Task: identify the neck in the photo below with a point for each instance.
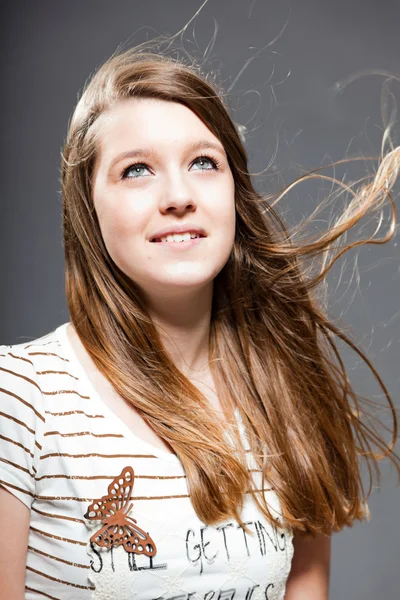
(183, 322)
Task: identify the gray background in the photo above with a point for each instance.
(296, 121)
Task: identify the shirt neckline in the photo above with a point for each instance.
(90, 390)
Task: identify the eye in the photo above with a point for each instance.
(136, 169)
(204, 159)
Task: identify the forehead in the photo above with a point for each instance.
(151, 122)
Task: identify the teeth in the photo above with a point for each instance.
(179, 237)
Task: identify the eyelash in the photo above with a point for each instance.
(213, 161)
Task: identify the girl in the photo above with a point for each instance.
(191, 433)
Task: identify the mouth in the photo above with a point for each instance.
(182, 244)
(178, 239)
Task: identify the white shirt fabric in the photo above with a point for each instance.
(61, 448)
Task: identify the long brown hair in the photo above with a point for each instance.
(273, 353)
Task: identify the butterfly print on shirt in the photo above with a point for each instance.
(117, 528)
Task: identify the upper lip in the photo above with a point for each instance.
(182, 228)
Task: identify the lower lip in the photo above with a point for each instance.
(176, 246)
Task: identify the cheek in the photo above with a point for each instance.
(120, 221)
(224, 209)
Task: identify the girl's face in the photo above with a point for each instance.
(160, 168)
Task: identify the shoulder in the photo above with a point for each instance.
(19, 385)
(21, 366)
(27, 362)
(22, 412)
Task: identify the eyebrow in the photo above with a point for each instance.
(150, 151)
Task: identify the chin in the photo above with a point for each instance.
(180, 283)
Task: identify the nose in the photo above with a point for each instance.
(178, 196)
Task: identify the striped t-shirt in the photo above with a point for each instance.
(89, 483)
